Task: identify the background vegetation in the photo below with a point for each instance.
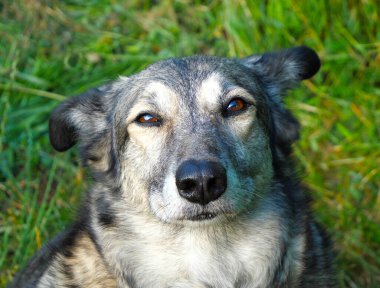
(51, 49)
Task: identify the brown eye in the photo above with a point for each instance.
(235, 106)
(148, 119)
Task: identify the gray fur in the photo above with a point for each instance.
(135, 230)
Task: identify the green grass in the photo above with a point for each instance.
(50, 51)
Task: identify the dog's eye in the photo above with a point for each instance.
(235, 106)
(148, 119)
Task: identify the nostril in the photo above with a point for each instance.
(188, 181)
(216, 184)
(211, 183)
(187, 185)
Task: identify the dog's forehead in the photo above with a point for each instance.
(194, 67)
(210, 86)
(187, 77)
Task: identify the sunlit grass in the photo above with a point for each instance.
(52, 51)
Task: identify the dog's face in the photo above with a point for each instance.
(195, 145)
(191, 139)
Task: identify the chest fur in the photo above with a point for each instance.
(200, 256)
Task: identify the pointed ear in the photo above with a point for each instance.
(81, 116)
(283, 69)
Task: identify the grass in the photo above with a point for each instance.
(49, 51)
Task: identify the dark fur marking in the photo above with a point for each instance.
(104, 211)
(318, 258)
(69, 242)
(66, 270)
(130, 281)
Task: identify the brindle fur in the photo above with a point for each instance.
(134, 230)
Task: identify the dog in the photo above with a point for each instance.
(193, 180)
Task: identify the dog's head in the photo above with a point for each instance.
(188, 139)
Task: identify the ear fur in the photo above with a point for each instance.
(81, 116)
(283, 69)
(280, 71)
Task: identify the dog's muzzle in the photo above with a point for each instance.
(201, 181)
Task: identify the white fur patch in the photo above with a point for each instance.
(209, 93)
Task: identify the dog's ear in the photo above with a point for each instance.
(283, 69)
(278, 72)
(81, 116)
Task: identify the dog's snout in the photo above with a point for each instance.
(201, 181)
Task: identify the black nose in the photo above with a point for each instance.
(201, 181)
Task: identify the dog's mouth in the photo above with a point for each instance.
(202, 217)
